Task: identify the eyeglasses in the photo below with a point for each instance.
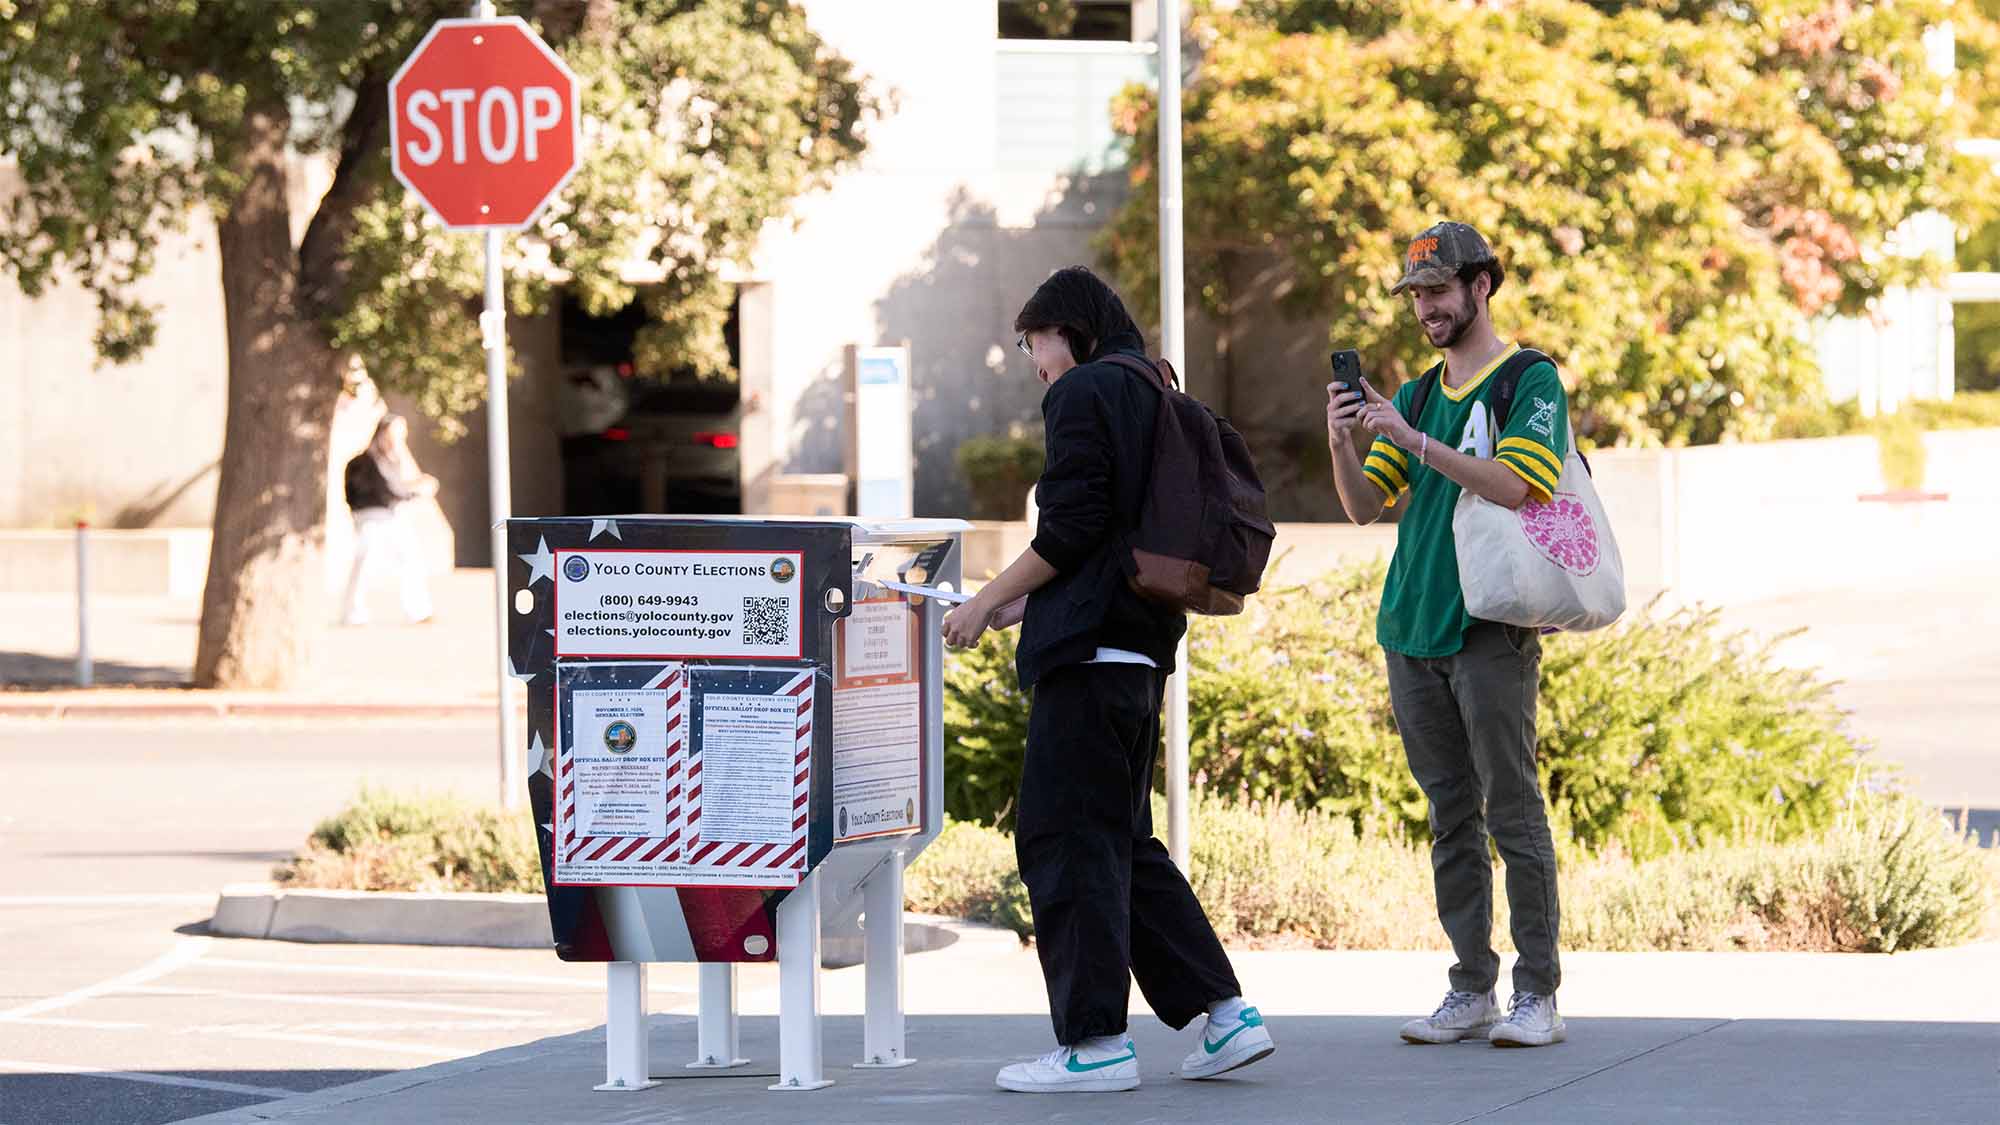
(1021, 342)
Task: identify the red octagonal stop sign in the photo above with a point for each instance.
(483, 123)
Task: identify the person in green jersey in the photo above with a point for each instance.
(1464, 690)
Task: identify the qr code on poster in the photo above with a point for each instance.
(767, 621)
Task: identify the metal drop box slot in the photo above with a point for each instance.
(735, 730)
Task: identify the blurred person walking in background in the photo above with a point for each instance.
(379, 483)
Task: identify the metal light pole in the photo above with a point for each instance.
(1173, 341)
(500, 490)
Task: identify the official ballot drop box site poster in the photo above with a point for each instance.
(674, 776)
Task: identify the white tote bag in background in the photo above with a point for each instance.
(1546, 566)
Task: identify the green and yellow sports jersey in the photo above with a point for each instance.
(1423, 605)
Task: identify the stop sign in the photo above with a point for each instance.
(483, 123)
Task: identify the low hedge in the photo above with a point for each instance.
(1887, 875)
(1662, 732)
(384, 841)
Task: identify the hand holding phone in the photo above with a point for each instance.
(1347, 374)
(1345, 397)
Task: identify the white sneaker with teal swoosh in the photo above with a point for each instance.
(1079, 1069)
(1226, 1046)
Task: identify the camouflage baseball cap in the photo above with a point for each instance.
(1438, 254)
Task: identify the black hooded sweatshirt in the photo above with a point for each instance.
(1098, 427)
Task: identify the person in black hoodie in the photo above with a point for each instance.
(1109, 904)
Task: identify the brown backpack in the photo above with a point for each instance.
(1203, 537)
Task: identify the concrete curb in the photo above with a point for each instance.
(493, 921)
(490, 921)
(178, 704)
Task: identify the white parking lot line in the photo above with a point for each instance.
(184, 953)
(308, 998)
(23, 1067)
(201, 898)
(87, 1025)
(591, 985)
(270, 1034)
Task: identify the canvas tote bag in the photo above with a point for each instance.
(1551, 565)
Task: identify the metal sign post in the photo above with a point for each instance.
(1173, 341)
(500, 490)
(484, 129)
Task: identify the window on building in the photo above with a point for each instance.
(1090, 20)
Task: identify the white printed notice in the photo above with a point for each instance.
(877, 724)
(875, 640)
(618, 749)
(749, 749)
(728, 604)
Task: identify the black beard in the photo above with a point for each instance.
(1458, 329)
(1461, 320)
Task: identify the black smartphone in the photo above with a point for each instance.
(1347, 372)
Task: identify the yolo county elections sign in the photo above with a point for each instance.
(483, 123)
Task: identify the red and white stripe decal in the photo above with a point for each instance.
(773, 857)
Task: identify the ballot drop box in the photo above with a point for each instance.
(734, 724)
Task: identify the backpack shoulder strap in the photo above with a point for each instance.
(1161, 371)
(1509, 377)
(1421, 397)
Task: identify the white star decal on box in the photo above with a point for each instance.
(599, 527)
(538, 754)
(541, 564)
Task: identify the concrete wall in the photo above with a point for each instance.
(1739, 523)
(1722, 524)
(936, 238)
(129, 446)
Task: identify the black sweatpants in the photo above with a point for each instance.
(1109, 904)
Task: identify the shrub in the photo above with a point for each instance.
(999, 471)
(1966, 410)
(1891, 875)
(986, 731)
(1661, 732)
(403, 842)
(1899, 441)
(969, 872)
(1667, 731)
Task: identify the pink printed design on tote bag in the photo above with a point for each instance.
(1563, 532)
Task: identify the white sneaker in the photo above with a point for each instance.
(1532, 1021)
(1079, 1069)
(1463, 1015)
(1227, 1046)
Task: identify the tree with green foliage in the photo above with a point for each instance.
(703, 119)
(1676, 187)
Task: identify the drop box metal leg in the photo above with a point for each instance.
(883, 908)
(719, 1041)
(627, 1061)
(798, 990)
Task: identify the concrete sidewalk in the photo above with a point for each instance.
(142, 646)
(1654, 1038)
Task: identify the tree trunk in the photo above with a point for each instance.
(265, 600)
